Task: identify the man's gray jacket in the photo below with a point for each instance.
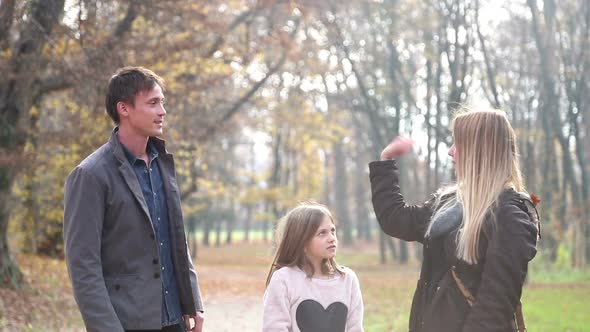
(110, 244)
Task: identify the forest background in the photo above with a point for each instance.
(272, 102)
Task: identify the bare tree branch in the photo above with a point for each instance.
(242, 18)
(53, 84)
(123, 27)
(495, 100)
(227, 115)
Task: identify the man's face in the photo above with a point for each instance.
(146, 117)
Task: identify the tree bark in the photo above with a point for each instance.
(360, 197)
(341, 193)
(6, 21)
(19, 90)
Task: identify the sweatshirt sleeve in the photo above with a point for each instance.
(276, 316)
(354, 321)
(396, 218)
(511, 247)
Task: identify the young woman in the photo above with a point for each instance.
(305, 289)
(478, 235)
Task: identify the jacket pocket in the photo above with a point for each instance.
(417, 310)
(448, 309)
(173, 185)
(124, 292)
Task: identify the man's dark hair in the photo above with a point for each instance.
(127, 83)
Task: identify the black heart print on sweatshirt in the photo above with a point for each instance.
(312, 317)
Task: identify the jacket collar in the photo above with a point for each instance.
(117, 148)
(128, 173)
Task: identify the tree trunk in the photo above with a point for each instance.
(218, 231)
(438, 121)
(10, 274)
(341, 194)
(17, 95)
(429, 186)
(274, 181)
(231, 221)
(266, 224)
(403, 252)
(191, 236)
(360, 197)
(382, 252)
(31, 218)
(391, 244)
(248, 222)
(207, 229)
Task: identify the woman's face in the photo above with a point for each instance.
(453, 153)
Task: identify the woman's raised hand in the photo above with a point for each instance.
(399, 146)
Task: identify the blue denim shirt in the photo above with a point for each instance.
(153, 192)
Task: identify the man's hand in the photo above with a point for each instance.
(198, 322)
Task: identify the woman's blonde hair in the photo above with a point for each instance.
(295, 230)
(486, 163)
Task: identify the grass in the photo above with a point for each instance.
(552, 301)
(557, 307)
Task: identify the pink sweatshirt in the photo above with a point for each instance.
(293, 302)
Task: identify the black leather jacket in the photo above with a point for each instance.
(496, 281)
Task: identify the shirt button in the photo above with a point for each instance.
(158, 218)
(162, 268)
(155, 261)
(161, 243)
(156, 275)
(152, 236)
(166, 292)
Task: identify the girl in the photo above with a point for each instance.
(478, 235)
(305, 289)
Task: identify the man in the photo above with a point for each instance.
(124, 237)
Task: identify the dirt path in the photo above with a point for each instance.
(232, 298)
(238, 313)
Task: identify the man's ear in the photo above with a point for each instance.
(122, 109)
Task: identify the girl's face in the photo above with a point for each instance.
(323, 244)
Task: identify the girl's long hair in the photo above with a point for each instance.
(294, 232)
(486, 164)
